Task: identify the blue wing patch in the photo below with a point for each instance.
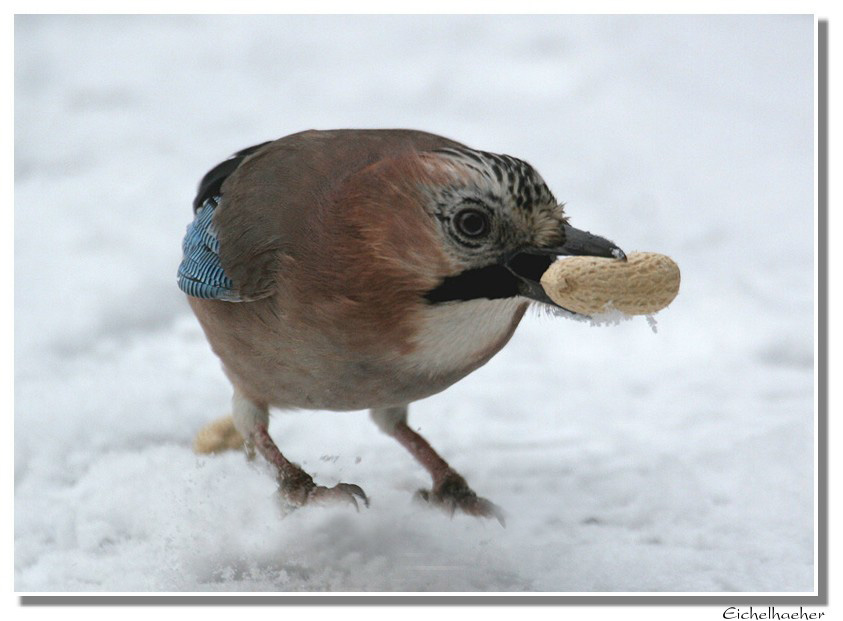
(200, 273)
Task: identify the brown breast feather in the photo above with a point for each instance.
(333, 222)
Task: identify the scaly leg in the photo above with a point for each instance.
(450, 491)
(294, 484)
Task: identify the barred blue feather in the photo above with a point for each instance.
(200, 273)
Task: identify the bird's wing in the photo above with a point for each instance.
(272, 203)
(201, 274)
(211, 183)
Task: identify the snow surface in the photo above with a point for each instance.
(625, 460)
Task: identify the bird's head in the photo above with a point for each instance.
(499, 225)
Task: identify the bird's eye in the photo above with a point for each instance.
(472, 223)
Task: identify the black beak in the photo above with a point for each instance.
(583, 243)
(529, 264)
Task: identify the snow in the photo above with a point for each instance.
(625, 460)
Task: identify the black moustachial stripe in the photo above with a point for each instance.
(494, 282)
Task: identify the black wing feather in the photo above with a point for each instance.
(212, 182)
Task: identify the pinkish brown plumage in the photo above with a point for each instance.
(355, 269)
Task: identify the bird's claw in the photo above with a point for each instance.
(297, 489)
(452, 493)
(341, 492)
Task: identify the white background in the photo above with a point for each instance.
(626, 460)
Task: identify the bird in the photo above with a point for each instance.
(365, 269)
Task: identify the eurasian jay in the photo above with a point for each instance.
(366, 269)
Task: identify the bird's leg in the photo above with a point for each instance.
(450, 490)
(294, 484)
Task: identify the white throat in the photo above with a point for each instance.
(457, 335)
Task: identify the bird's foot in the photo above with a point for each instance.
(341, 492)
(451, 493)
(298, 489)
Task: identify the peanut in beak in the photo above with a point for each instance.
(643, 284)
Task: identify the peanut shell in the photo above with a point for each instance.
(217, 436)
(643, 284)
